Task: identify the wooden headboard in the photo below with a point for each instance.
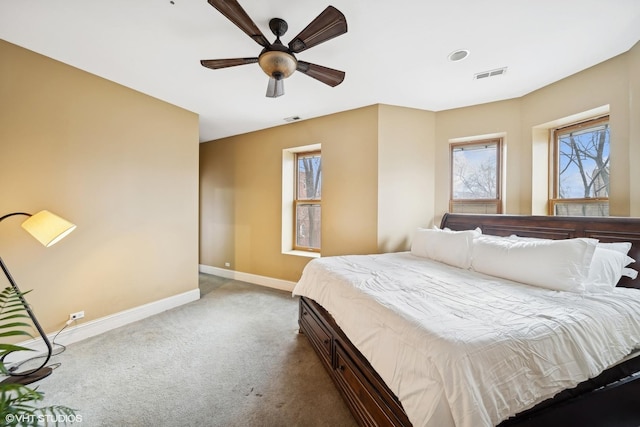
(605, 229)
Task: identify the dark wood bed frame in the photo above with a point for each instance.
(611, 399)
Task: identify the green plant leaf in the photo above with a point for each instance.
(8, 348)
(14, 333)
(15, 324)
(14, 316)
(18, 402)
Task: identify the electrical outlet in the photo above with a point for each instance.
(227, 264)
(77, 315)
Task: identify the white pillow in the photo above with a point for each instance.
(561, 265)
(630, 272)
(607, 266)
(622, 247)
(446, 246)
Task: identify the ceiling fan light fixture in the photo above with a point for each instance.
(277, 63)
(275, 88)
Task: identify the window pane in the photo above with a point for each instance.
(582, 209)
(475, 208)
(583, 163)
(308, 226)
(474, 171)
(309, 173)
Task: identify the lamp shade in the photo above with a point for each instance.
(47, 228)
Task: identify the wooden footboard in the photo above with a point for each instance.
(368, 397)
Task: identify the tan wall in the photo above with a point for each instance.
(119, 164)
(603, 84)
(350, 174)
(241, 193)
(633, 56)
(497, 118)
(377, 188)
(406, 173)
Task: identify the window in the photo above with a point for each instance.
(580, 179)
(475, 177)
(307, 201)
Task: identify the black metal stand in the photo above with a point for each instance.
(25, 379)
(32, 375)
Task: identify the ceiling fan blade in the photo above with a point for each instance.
(224, 63)
(236, 14)
(326, 75)
(329, 24)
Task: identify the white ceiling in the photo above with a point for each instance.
(395, 52)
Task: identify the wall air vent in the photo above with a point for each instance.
(491, 73)
(292, 119)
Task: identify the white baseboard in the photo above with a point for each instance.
(270, 282)
(98, 326)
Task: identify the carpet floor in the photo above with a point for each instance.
(232, 358)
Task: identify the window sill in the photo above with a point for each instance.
(307, 254)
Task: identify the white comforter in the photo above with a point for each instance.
(464, 349)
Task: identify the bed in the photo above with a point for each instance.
(449, 380)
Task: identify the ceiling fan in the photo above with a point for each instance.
(277, 60)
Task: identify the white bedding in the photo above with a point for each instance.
(464, 349)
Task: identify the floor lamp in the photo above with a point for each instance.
(48, 229)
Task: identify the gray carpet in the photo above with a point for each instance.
(232, 358)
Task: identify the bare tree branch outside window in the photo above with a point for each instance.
(475, 177)
(308, 200)
(583, 170)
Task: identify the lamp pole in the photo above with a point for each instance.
(41, 371)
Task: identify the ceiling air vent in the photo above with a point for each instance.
(292, 119)
(492, 73)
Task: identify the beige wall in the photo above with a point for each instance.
(119, 164)
(241, 193)
(634, 128)
(497, 118)
(603, 84)
(362, 149)
(406, 174)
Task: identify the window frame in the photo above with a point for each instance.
(554, 178)
(297, 201)
(498, 202)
